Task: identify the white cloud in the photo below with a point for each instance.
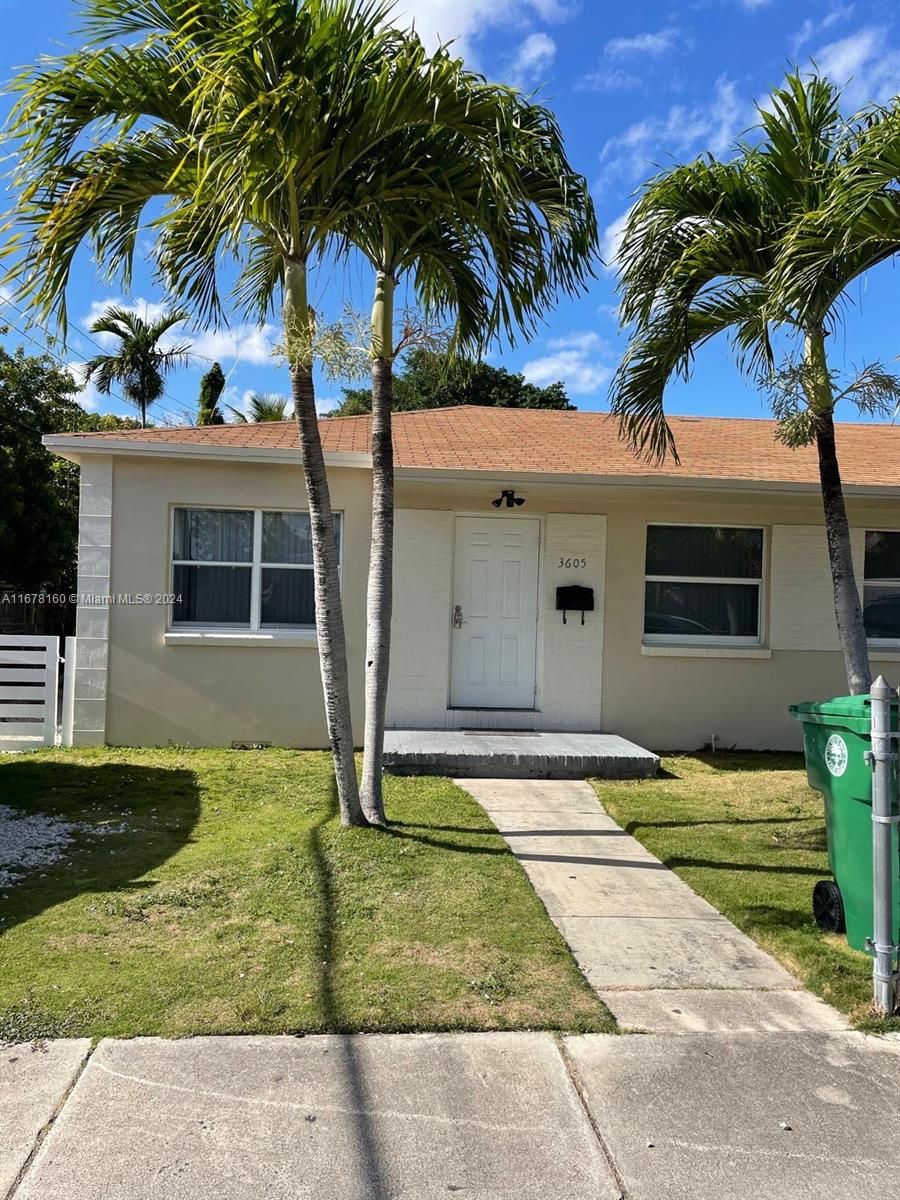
(465, 21)
(611, 240)
(810, 28)
(531, 60)
(583, 339)
(863, 64)
(684, 131)
(327, 404)
(251, 344)
(88, 396)
(652, 44)
(580, 373)
(754, 5)
(607, 79)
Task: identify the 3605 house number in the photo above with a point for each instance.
(573, 564)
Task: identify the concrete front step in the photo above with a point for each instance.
(516, 755)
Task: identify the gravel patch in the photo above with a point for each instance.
(32, 840)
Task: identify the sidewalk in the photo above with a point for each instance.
(747, 1087)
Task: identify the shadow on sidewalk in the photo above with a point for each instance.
(371, 1167)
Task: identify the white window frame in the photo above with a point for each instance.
(686, 639)
(255, 566)
(878, 643)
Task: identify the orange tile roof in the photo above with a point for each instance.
(468, 438)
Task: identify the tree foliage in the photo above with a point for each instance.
(749, 248)
(263, 406)
(211, 387)
(38, 491)
(141, 361)
(429, 380)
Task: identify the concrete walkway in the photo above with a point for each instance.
(662, 959)
(746, 1087)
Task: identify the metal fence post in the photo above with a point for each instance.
(883, 821)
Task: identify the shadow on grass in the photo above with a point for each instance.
(131, 819)
(743, 760)
(370, 1172)
(640, 823)
(675, 861)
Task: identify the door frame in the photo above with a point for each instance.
(539, 613)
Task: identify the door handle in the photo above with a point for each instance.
(457, 617)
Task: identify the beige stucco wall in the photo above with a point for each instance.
(675, 699)
(596, 676)
(215, 695)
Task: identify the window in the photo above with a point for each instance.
(703, 584)
(243, 568)
(881, 586)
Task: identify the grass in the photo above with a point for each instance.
(233, 902)
(748, 834)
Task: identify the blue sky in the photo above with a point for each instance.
(633, 85)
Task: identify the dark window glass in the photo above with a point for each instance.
(286, 597)
(704, 551)
(212, 595)
(702, 609)
(882, 555)
(881, 611)
(213, 535)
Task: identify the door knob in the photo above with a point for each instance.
(457, 616)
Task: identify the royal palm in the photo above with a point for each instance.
(715, 248)
(253, 119)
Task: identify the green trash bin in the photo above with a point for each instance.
(836, 739)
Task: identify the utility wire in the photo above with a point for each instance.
(45, 348)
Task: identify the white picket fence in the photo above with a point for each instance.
(29, 677)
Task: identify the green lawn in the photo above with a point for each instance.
(233, 902)
(746, 832)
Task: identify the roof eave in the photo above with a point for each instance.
(76, 448)
(683, 481)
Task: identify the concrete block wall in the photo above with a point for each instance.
(92, 618)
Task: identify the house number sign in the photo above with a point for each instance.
(573, 564)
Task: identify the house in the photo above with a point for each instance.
(704, 610)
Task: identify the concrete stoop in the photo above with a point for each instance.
(508, 754)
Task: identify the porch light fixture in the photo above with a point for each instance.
(509, 497)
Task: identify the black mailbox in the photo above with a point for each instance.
(574, 597)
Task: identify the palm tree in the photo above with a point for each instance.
(508, 225)
(211, 387)
(717, 247)
(140, 364)
(263, 406)
(252, 119)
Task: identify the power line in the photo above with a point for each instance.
(45, 348)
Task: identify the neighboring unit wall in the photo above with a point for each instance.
(802, 594)
(677, 697)
(89, 688)
(236, 689)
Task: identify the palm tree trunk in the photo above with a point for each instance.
(379, 594)
(847, 608)
(326, 580)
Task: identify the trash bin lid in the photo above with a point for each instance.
(853, 708)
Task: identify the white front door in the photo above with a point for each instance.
(494, 612)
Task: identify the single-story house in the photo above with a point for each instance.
(544, 578)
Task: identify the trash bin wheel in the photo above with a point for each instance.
(828, 906)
